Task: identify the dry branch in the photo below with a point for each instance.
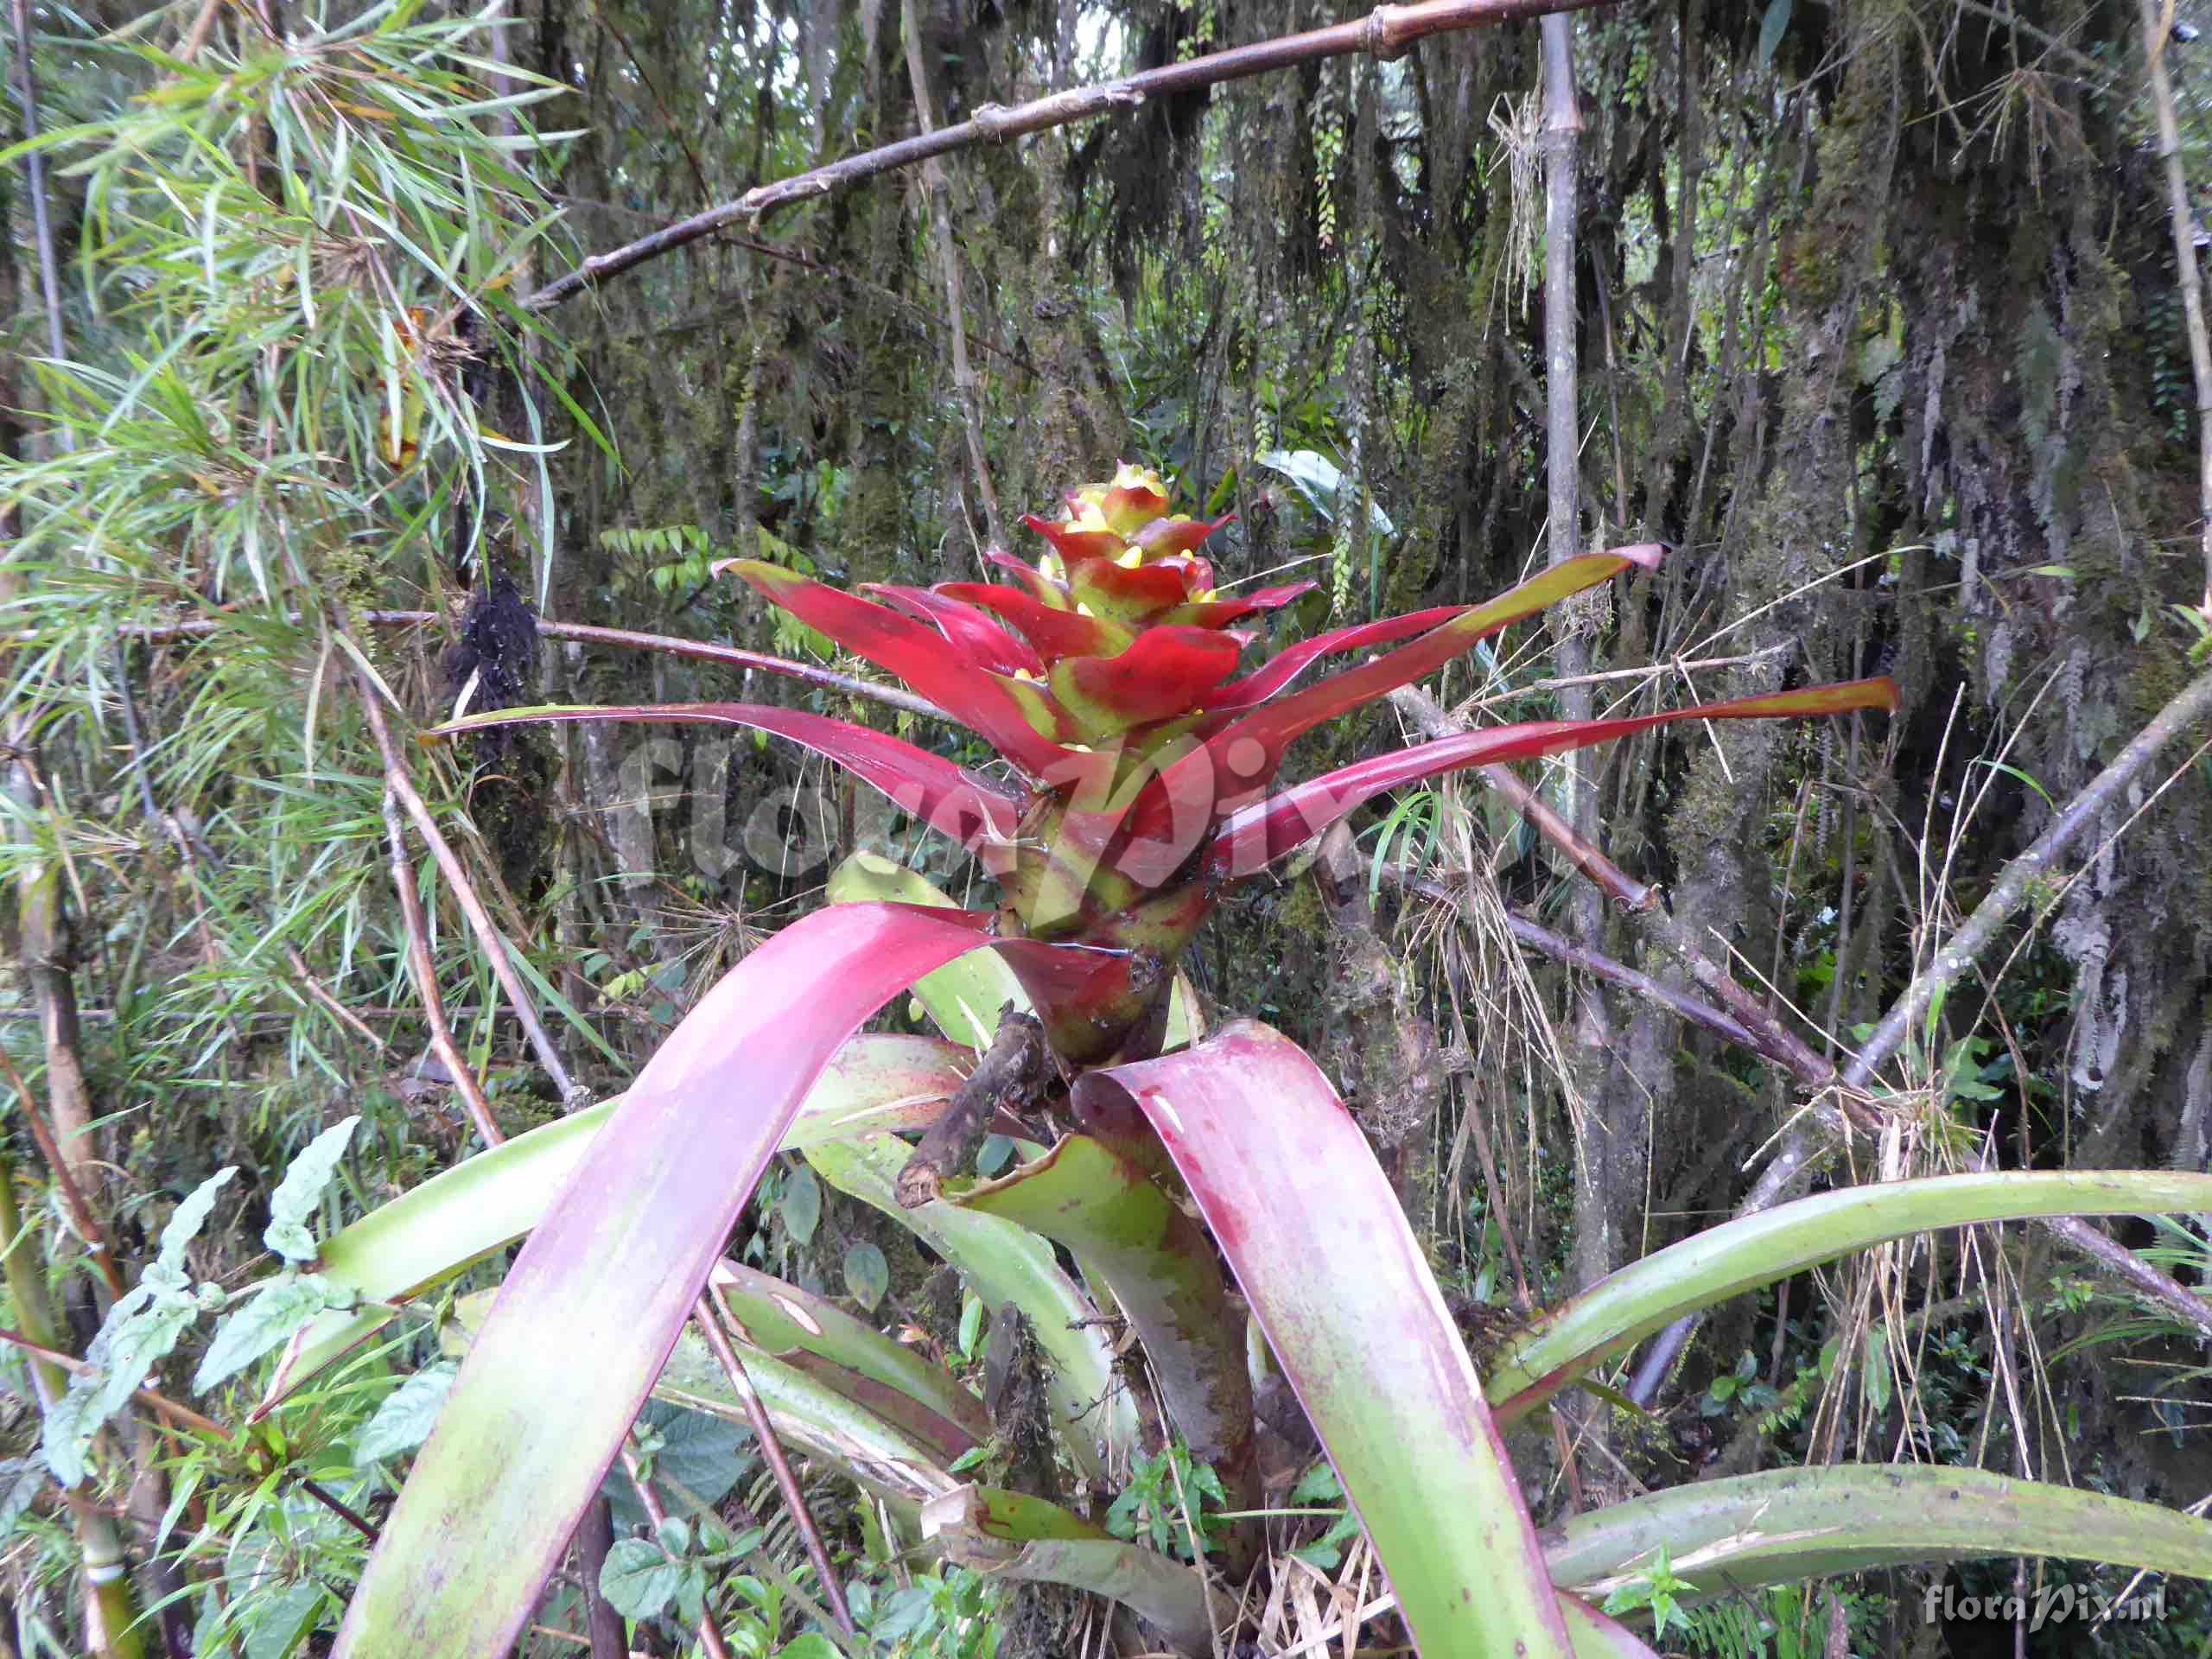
(1015, 1067)
(1385, 32)
(1813, 1135)
(703, 651)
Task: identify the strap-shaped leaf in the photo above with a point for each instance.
(1337, 1280)
(597, 1297)
(1255, 836)
(953, 802)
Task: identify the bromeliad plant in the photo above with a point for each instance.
(1144, 783)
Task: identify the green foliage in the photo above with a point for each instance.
(1320, 1485)
(1657, 1592)
(954, 1614)
(1165, 1503)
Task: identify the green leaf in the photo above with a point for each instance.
(23, 1477)
(1318, 1484)
(264, 1323)
(408, 1415)
(868, 1276)
(700, 1452)
(299, 1195)
(809, 1646)
(971, 1323)
(801, 1208)
(1772, 28)
(637, 1579)
(1875, 1369)
(190, 1217)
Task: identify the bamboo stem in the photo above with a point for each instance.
(111, 1627)
(424, 970)
(480, 920)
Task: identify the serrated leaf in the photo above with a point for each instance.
(139, 1333)
(637, 1579)
(868, 1276)
(801, 1208)
(139, 1343)
(264, 1323)
(299, 1195)
(404, 1421)
(190, 1217)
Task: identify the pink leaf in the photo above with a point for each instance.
(1256, 836)
(595, 1301)
(926, 786)
(1316, 1236)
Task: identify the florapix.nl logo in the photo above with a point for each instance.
(2051, 1604)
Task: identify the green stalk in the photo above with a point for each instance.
(112, 1628)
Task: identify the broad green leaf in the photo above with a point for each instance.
(1753, 1250)
(264, 1322)
(424, 1237)
(409, 1413)
(601, 1292)
(638, 1580)
(298, 1196)
(868, 1276)
(801, 1206)
(705, 1454)
(1165, 1274)
(1726, 1536)
(190, 1217)
(1318, 1242)
(1006, 1263)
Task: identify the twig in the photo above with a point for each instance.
(425, 970)
(702, 651)
(2157, 20)
(72, 1196)
(1384, 32)
(1773, 1039)
(1016, 1066)
(1810, 1139)
(1681, 1002)
(718, 1340)
(2013, 886)
(339, 1507)
(161, 1403)
(711, 1636)
(948, 248)
(488, 936)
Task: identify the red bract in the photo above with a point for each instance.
(1105, 676)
